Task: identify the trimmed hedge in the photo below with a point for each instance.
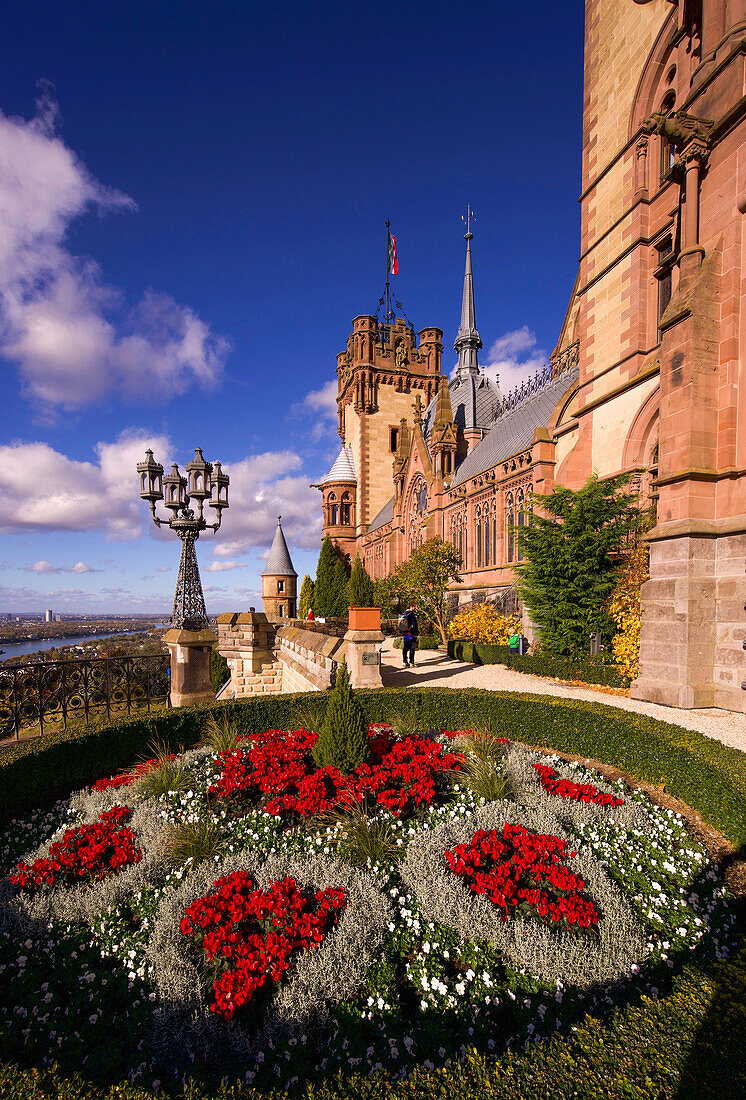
(700, 771)
(424, 641)
(590, 670)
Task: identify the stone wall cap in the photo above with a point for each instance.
(190, 637)
(233, 618)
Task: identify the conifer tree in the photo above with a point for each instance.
(568, 572)
(305, 601)
(343, 740)
(360, 586)
(339, 600)
(325, 589)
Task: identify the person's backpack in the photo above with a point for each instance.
(403, 625)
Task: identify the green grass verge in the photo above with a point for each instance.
(689, 1042)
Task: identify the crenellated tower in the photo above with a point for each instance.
(382, 369)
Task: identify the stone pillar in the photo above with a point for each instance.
(246, 640)
(692, 253)
(190, 666)
(364, 646)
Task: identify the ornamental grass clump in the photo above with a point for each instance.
(168, 774)
(362, 838)
(196, 841)
(484, 771)
(221, 733)
(343, 741)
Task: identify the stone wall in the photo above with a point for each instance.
(308, 658)
(247, 641)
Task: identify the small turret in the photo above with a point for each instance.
(279, 580)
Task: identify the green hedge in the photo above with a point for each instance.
(591, 670)
(700, 771)
(424, 641)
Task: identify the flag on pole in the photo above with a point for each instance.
(393, 265)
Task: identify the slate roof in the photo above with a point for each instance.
(384, 516)
(278, 562)
(514, 430)
(343, 468)
(475, 400)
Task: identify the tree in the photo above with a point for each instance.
(568, 572)
(625, 608)
(330, 590)
(423, 581)
(343, 740)
(219, 670)
(360, 586)
(305, 601)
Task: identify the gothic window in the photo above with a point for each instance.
(487, 541)
(345, 509)
(478, 536)
(664, 275)
(509, 536)
(521, 523)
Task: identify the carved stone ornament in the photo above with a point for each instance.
(345, 370)
(401, 355)
(418, 408)
(678, 127)
(642, 147)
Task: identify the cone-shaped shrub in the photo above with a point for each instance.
(343, 741)
(360, 586)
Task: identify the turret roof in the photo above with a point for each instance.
(278, 562)
(343, 468)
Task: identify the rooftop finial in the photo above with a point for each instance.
(468, 341)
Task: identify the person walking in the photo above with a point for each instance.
(412, 631)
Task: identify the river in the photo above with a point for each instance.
(21, 649)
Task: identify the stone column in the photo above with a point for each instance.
(692, 253)
(190, 666)
(364, 658)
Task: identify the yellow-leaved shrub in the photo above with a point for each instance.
(483, 624)
(624, 607)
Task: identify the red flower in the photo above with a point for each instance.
(576, 792)
(88, 852)
(524, 873)
(252, 934)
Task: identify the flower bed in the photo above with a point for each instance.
(475, 925)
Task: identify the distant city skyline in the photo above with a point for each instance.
(193, 204)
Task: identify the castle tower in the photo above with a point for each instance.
(382, 371)
(279, 580)
(339, 502)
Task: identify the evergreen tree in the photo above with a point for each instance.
(568, 573)
(339, 600)
(343, 740)
(325, 589)
(360, 587)
(305, 602)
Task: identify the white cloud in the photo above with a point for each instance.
(321, 405)
(224, 566)
(47, 567)
(513, 358)
(263, 486)
(73, 338)
(44, 490)
(162, 569)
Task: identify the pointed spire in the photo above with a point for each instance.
(443, 410)
(468, 342)
(278, 561)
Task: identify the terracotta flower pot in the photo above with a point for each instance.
(365, 618)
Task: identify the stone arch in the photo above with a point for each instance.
(637, 445)
(644, 102)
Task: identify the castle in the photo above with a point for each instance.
(647, 376)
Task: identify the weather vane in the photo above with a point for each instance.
(467, 218)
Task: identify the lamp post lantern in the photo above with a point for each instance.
(190, 640)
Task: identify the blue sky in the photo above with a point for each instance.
(192, 209)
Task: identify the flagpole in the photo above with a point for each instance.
(388, 264)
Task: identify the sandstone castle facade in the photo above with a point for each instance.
(647, 376)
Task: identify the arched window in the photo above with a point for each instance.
(509, 536)
(333, 510)
(521, 523)
(478, 537)
(345, 509)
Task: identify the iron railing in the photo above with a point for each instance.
(45, 697)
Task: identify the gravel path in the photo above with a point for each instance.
(436, 669)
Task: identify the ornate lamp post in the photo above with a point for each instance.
(190, 640)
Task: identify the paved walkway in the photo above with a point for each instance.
(436, 669)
